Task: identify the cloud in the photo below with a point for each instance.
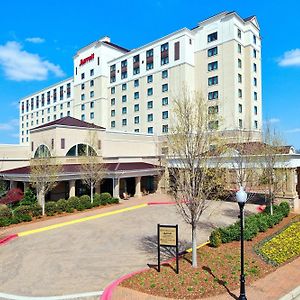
(10, 125)
(20, 65)
(272, 121)
(35, 40)
(294, 130)
(290, 58)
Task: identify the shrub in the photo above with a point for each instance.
(13, 196)
(85, 201)
(72, 203)
(22, 213)
(36, 210)
(29, 198)
(104, 198)
(230, 233)
(5, 212)
(262, 222)
(61, 205)
(4, 221)
(215, 238)
(251, 230)
(114, 200)
(284, 208)
(50, 208)
(96, 200)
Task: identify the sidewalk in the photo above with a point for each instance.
(272, 287)
(6, 231)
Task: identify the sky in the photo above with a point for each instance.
(38, 40)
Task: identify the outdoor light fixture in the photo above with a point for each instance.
(241, 197)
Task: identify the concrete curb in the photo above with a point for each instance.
(292, 295)
(7, 239)
(64, 297)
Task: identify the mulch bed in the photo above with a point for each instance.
(218, 271)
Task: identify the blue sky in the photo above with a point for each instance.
(39, 38)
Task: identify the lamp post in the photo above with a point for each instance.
(241, 197)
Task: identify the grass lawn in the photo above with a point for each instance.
(218, 270)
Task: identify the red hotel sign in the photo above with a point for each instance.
(85, 60)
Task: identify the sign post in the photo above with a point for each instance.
(167, 236)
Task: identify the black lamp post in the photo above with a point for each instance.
(241, 197)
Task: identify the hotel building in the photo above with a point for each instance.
(132, 91)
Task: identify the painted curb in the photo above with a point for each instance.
(7, 239)
(107, 293)
(292, 295)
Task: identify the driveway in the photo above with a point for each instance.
(85, 257)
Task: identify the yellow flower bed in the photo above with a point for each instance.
(283, 246)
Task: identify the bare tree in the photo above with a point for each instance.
(195, 173)
(44, 173)
(92, 166)
(272, 163)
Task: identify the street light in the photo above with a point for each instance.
(241, 197)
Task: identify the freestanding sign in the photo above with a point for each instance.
(167, 236)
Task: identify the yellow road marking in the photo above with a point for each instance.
(50, 227)
(190, 250)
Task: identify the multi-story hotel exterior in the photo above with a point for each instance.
(132, 91)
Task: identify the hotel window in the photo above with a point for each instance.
(124, 69)
(32, 104)
(98, 61)
(62, 143)
(213, 110)
(136, 95)
(82, 96)
(150, 91)
(240, 93)
(68, 104)
(124, 110)
(212, 51)
(149, 78)
(213, 80)
(150, 117)
(92, 104)
(239, 78)
(42, 120)
(254, 67)
(82, 86)
(43, 101)
(54, 117)
(91, 83)
(254, 39)
(68, 90)
(112, 113)
(82, 107)
(212, 66)
(124, 122)
(112, 90)
(239, 48)
(124, 98)
(92, 115)
(136, 64)
(164, 74)
(112, 73)
(92, 72)
(61, 93)
(82, 75)
(61, 115)
(240, 123)
(136, 107)
(124, 86)
(213, 95)
(52, 144)
(164, 87)
(150, 130)
(164, 54)
(48, 110)
(112, 101)
(136, 130)
(239, 33)
(255, 95)
(164, 101)
(136, 120)
(240, 108)
(254, 53)
(255, 81)
(48, 98)
(136, 83)
(149, 59)
(113, 124)
(255, 110)
(239, 63)
(68, 113)
(177, 51)
(212, 37)
(54, 95)
(213, 125)
(92, 94)
(255, 124)
(165, 128)
(82, 117)
(61, 106)
(165, 115)
(150, 104)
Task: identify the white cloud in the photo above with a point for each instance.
(20, 65)
(272, 121)
(290, 58)
(10, 125)
(35, 40)
(294, 130)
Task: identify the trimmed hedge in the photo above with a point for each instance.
(253, 224)
(51, 208)
(22, 213)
